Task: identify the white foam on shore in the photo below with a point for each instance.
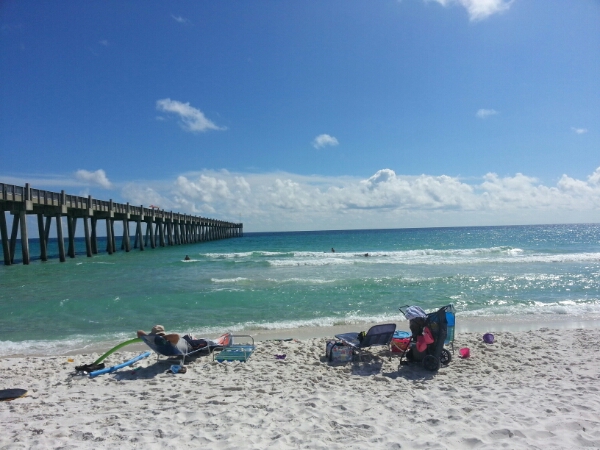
(568, 308)
(304, 329)
(78, 344)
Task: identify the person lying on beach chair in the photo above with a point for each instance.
(174, 345)
(173, 338)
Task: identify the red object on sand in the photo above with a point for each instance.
(400, 345)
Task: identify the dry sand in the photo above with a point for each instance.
(530, 389)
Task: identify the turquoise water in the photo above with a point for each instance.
(287, 280)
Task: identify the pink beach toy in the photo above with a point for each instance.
(464, 352)
(488, 338)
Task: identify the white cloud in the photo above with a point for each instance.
(192, 119)
(283, 201)
(94, 178)
(485, 113)
(140, 194)
(179, 19)
(206, 189)
(104, 42)
(594, 179)
(382, 176)
(324, 140)
(579, 130)
(479, 9)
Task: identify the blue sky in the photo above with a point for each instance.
(309, 115)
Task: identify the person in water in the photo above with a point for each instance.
(332, 250)
(187, 258)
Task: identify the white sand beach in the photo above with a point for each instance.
(529, 389)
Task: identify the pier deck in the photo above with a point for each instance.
(162, 228)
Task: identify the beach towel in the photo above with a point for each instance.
(424, 340)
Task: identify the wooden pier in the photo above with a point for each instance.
(162, 228)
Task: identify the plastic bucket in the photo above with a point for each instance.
(464, 352)
(488, 338)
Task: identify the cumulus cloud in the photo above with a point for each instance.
(97, 178)
(594, 179)
(192, 119)
(285, 201)
(479, 9)
(579, 130)
(205, 188)
(144, 194)
(485, 113)
(382, 176)
(324, 140)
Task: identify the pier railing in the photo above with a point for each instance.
(162, 227)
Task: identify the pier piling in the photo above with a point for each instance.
(43, 239)
(88, 242)
(4, 233)
(61, 241)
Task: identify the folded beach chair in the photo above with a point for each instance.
(236, 352)
(162, 347)
(377, 335)
(451, 320)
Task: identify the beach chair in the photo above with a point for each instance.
(451, 324)
(378, 335)
(162, 347)
(236, 352)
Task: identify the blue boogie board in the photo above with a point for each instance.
(120, 366)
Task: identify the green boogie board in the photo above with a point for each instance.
(114, 349)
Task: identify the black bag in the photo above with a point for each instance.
(89, 367)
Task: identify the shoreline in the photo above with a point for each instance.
(468, 324)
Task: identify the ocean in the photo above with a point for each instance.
(274, 281)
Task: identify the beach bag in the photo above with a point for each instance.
(328, 346)
(336, 351)
(87, 368)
